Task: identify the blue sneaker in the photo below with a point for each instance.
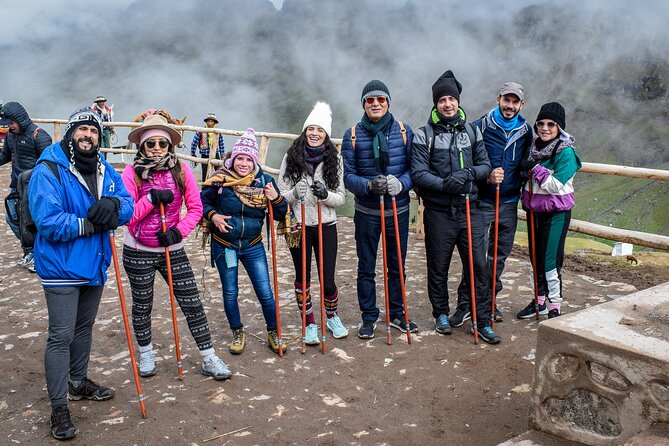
(442, 325)
(366, 330)
(311, 335)
(486, 333)
(336, 327)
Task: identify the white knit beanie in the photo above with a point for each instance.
(321, 115)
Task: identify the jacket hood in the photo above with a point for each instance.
(18, 114)
(55, 154)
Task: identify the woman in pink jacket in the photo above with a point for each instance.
(156, 177)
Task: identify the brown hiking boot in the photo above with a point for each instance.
(238, 341)
(273, 341)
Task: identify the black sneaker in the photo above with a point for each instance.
(486, 333)
(398, 322)
(89, 390)
(553, 313)
(366, 330)
(499, 317)
(459, 317)
(62, 427)
(530, 311)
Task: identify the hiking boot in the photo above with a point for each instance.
(530, 310)
(26, 260)
(459, 317)
(553, 313)
(442, 325)
(398, 322)
(273, 341)
(336, 327)
(89, 390)
(366, 330)
(311, 335)
(213, 366)
(62, 427)
(238, 341)
(147, 364)
(486, 333)
(499, 317)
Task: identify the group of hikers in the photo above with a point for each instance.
(469, 176)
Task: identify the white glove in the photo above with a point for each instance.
(300, 189)
(394, 185)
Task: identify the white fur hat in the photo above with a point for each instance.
(321, 115)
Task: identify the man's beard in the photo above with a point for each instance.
(92, 151)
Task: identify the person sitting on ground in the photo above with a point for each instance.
(549, 194)
(235, 199)
(75, 198)
(312, 171)
(157, 178)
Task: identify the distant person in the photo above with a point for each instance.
(448, 159)
(106, 114)
(4, 129)
(507, 137)
(205, 142)
(377, 157)
(552, 164)
(74, 210)
(235, 200)
(158, 177)
(312, 170)
(24, 144)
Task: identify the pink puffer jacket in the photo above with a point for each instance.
(145, 221)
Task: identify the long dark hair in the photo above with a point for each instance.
(296, 162)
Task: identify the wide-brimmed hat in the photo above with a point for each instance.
(100, 99)
(211, 116)
(152, 122)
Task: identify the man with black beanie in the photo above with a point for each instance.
(448, 158)
(75, 198)
(377, 154)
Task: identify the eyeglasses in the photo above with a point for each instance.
(547, 124)
(151, 143)
(370, 100)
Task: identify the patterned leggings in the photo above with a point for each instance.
(141, 267)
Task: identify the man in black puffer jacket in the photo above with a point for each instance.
(23, 146)
(448, 158)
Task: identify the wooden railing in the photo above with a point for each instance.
(621, 235)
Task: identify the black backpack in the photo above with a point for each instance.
(27, 227)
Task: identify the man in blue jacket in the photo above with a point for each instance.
(377, 155)
(24, 144)
(75, 198)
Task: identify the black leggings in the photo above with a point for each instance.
(329, 256)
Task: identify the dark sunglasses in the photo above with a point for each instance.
(151, 143)
(547, 124)
(380, 99)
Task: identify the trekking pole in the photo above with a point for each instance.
(400, 268)
(320, 272)
(385, 269)
(126, 324)
(168, 264)
(533, 251)
(494, 257)
(304, 276)
(472, 285)
(276, 279)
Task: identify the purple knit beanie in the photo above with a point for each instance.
(245, 145)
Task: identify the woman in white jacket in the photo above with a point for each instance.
(312, 170)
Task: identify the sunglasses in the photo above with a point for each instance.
(547, 124)
(381, 100)
(151, 143)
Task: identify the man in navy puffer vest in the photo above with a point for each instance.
(377, 157)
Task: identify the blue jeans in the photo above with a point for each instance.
(367, 236)
(255, 262)
(11, 215)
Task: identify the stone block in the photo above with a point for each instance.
(600, 381)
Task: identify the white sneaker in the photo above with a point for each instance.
(311, 335)
(336, 327)
(213, 366)
(147, 364)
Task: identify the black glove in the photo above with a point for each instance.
(379, 185)
(319, 190)
(463, 175)
(171, 237)
(90, 228)
(526, 165)
(164, 196)
(453, 185)
(104, 212)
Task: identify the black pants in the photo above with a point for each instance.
(446, 228)
(329, 256)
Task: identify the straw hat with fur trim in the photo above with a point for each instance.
(154, 122)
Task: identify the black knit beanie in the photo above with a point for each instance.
(554, 111)
(374, 88)
(446, 85)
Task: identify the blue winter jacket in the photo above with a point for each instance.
(360, 168)
(63, 256)
(506, 150)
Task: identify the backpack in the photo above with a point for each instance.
(27, 227)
